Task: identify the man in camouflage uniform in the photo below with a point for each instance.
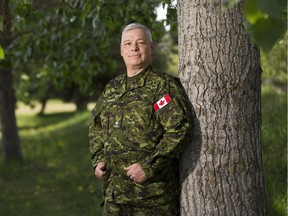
(138, 129)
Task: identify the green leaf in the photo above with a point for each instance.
(86, 13)
(23, 10)
(274, 28)
(2, 54)
(274, 8)
(228, 4)
(253, 12)
(267, 21)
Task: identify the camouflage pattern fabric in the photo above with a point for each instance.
(126, 129)
(112, 209)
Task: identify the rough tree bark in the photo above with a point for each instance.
(221, 171)
(10, 137)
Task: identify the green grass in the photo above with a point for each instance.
(274, 134)
(56, 178)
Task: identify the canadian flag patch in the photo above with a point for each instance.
(166, 99)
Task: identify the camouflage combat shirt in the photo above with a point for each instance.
(147, 122)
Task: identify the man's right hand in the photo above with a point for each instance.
(100, 171)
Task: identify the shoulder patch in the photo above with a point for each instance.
(166, 99)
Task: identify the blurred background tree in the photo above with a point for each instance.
(69, 49)
(274, 64)
(73, 45)
(62, 48)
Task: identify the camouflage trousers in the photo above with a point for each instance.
(113, 209)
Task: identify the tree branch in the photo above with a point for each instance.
(7, 22)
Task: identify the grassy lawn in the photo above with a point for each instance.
(274, 135)
(55, 178)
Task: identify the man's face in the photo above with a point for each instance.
(136, 49)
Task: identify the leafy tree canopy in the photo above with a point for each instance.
(71, 42)
(65, 42)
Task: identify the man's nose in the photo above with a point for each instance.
(134, 47)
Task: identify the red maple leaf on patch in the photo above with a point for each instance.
(161, 102)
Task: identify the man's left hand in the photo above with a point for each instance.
(136, 173)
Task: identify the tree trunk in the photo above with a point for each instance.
(80, 100)
(221, 171)
(10, 138)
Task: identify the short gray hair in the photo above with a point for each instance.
(137, 26)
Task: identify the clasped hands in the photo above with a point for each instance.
(134, 171)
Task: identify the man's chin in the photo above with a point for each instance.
(138, 64)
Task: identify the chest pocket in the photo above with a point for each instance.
(115, 120)
(138, 112)
(111, 116)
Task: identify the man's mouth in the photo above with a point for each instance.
(134, 56)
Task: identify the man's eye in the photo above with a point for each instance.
(127, 44)
(141, 42)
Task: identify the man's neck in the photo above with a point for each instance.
(134, 71)
(131, 73)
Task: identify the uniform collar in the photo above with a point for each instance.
(140, 80)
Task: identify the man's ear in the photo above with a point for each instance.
(153, 47)
(121, 49)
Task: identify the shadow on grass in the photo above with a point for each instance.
(56, 177)
(37, 121)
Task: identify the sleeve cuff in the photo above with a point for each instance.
(148, 170)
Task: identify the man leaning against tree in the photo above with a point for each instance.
(138, 129)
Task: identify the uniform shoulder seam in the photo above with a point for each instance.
(162, 76)
(116, 79)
